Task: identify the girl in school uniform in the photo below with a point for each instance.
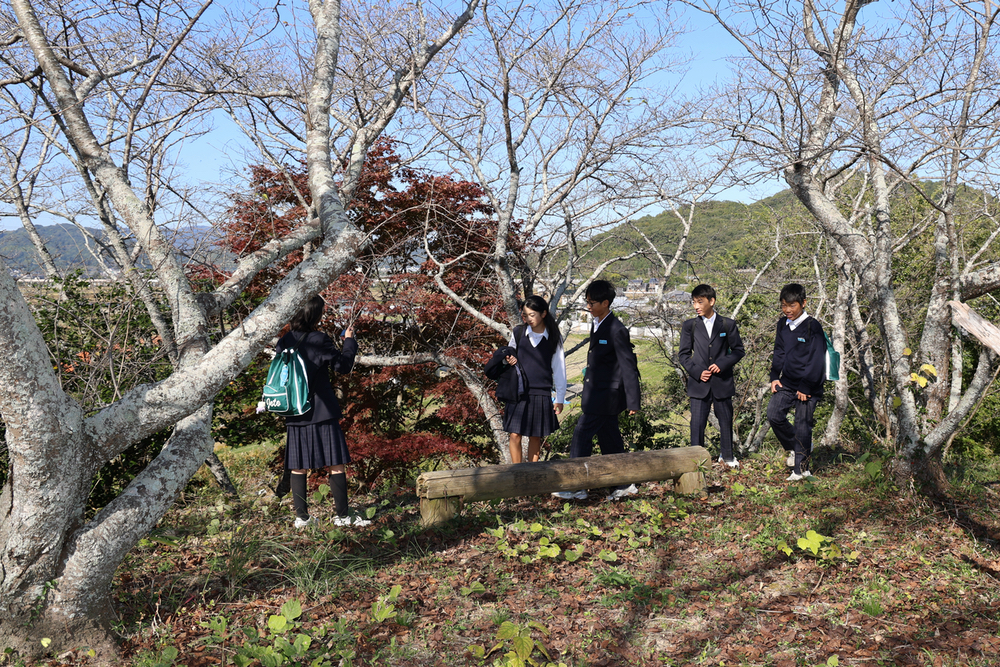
(315, 440)
(543, 365)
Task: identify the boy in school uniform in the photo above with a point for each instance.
(798, 368)
(710, 347)
(610, 385)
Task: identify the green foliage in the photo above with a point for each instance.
(875, 478)
(475, 588)
(285, 641)
(384, 607)
(516, 647)
(820, 547)
(102, 343)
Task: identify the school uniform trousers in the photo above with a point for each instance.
(697, 351)
(799, 362)
(610, 386)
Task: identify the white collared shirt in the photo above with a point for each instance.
(558, 362)
(597, 322)
(792, 324)
(709, 323)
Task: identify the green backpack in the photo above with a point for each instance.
(832, 360)
(286, 391)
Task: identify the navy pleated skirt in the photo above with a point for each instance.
(313, 446)
(533, 416)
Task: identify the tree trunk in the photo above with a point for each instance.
(844, 295)
(492, 410)
(221, 475)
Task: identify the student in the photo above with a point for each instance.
(798, 368)
(610, 385)
(315, 440)
(710, 346)
(538, 348)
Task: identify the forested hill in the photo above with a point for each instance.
(66, 243)
(72, 250)
(718, 228)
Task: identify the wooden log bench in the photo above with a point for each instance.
(443, 492)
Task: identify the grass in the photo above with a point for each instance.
(660, 580)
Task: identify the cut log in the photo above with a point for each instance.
(682, 464)
(986, 332)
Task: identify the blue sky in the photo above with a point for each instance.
(217, 156)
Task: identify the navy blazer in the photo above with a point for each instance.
(611, 381)
(698, 351)
(799, 358)
(319, 352)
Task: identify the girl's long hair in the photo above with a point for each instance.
(308, 318)
(540, 305)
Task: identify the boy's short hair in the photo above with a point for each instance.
(703, 291)
(793, 293)
(601, 290)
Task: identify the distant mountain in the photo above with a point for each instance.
(72, 249)
(69, 247)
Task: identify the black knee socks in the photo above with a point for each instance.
(299, 495)
(338, 488)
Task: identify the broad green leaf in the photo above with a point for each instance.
(538, 626)
(523, 646)
(896, 402)
(291, 610)
(507, 631)
(277, 623)
(609, 556)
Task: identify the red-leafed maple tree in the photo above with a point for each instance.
(407, 399)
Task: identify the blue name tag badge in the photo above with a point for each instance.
(603, 342)
(722, 335)
(802, 340)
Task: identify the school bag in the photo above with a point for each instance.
(832, 357)
(286, 391)
(832, 360)
(512, 384)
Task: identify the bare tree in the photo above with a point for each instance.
(110, 93)
(566, 117)
(859, 117)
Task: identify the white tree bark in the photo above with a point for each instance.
(56, 568)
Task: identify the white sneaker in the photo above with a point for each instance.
(795, 477)
(350, 521)
(790, 461)
(732, 463)
(570, 495)
(618, 494)
(304, 523)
